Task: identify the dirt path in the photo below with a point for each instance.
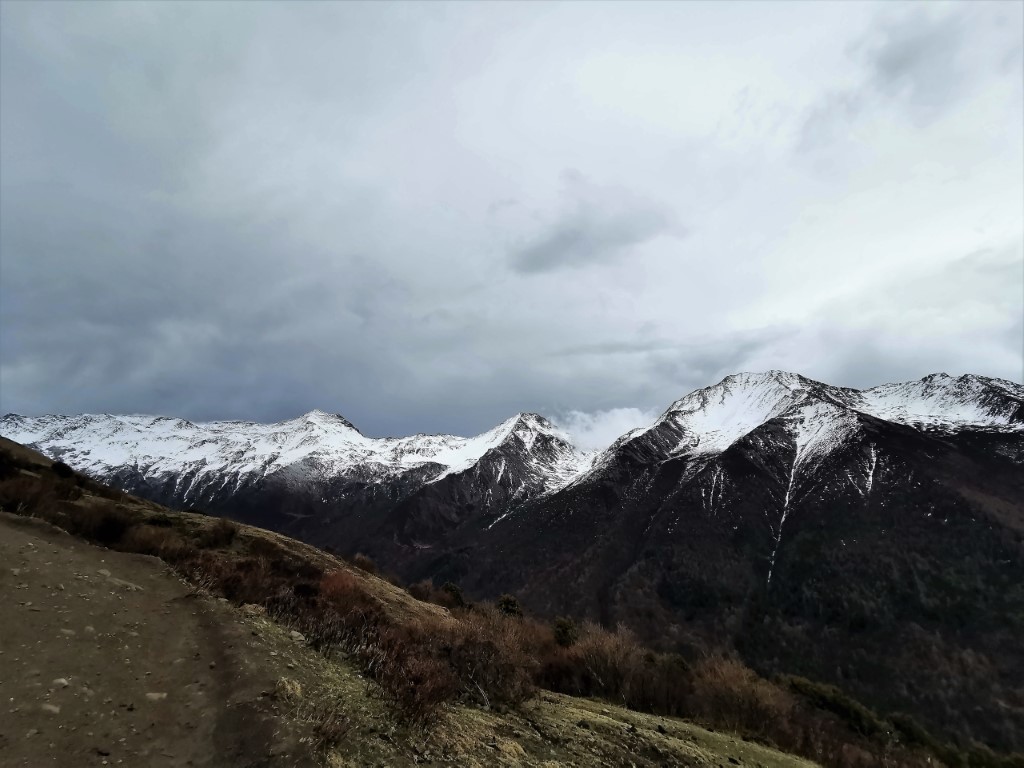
(107, 658)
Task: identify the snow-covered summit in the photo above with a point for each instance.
(101, 444)
(942, 401)
(820, 417)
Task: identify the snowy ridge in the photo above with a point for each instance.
(939, 400)
(713, 418)
(818, 419)
(327, 443)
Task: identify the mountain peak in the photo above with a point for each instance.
(534, 421)
(762, 378)
(327, 419)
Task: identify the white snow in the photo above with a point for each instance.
(871, 471)
(99, 444)
(713, 418)
(821, 417)
(777, 530)
(940, 400)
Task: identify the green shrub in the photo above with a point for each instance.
(566, 632)
(833, 700)
(509, 605)
(454, 593)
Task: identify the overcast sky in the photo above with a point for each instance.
(429, 217)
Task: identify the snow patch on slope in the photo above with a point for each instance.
(939, 400)
(714, 418)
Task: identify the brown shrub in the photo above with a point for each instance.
(731, 695)
(413, 681)
(105, 523)
(364, 563)
(424, 591)
(489, 653)
(265, 547)
(608, 664)
(150, 539)
(449, 596)
(330, 726)
(343, 590)
(26, 495)
(219, 535)
(67, 490)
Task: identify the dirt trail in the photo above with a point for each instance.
(107, 658)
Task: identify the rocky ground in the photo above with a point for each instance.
(107, 658)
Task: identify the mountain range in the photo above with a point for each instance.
(873, 539)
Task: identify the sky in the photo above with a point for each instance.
(429, 217)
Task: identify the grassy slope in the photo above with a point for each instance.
(550, 730)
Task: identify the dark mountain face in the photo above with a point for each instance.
(871, 572)
(874, 539)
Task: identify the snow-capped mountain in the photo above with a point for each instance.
(313, 472)
(204, 458)
(853, 536)
(185, 463)
(319, 477)
(709, 420)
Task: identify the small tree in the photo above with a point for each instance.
(566, 631)
(454, 593)
(508, 605)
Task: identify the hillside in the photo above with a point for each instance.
(115, 659)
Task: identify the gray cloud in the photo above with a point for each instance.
(218, 212)
(593, 226)
(916, 60)
(920, 64)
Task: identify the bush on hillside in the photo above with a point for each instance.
(565, 631)
(364, 563)
(62, 470)
(221, 534)
(509, 605)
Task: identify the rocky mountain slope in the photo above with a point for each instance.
(873, 539)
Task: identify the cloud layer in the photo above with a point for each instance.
(431, 216)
